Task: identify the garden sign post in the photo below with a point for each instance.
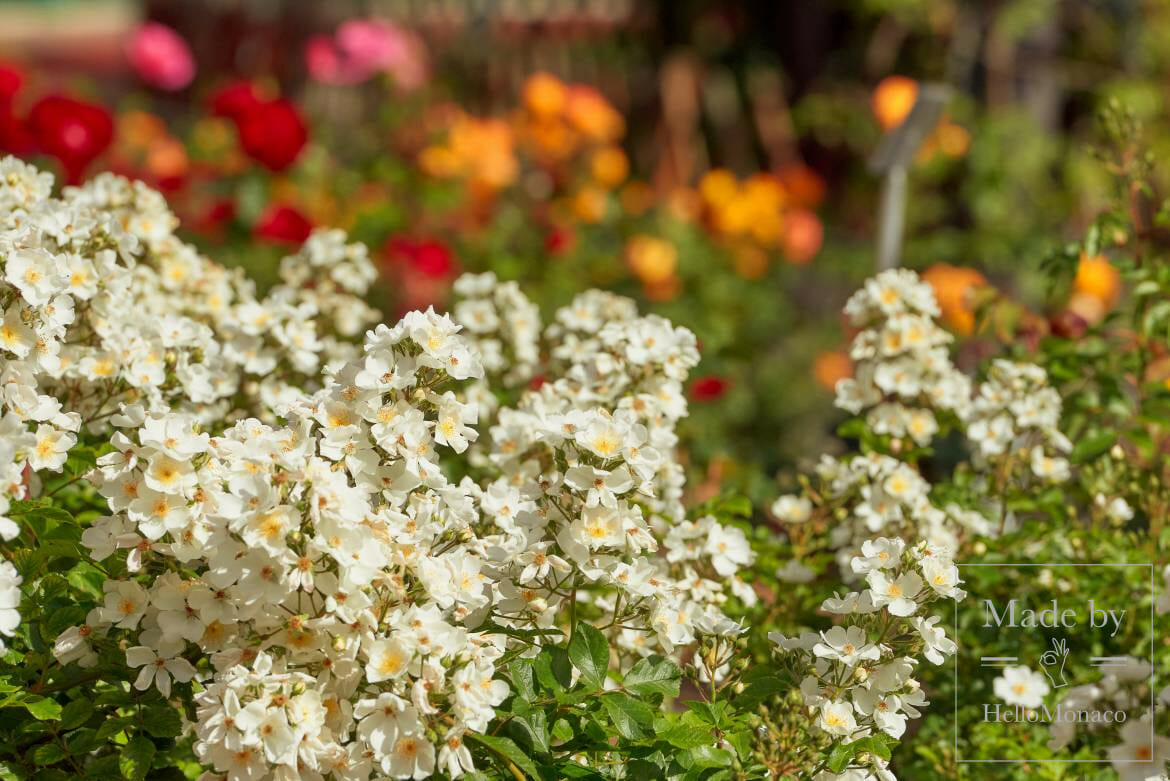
(892, 158)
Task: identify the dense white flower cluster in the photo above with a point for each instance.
(1016, 411)
(289, 533)
(905, 383)
(502, 323)
(903, 371)
(857, 677)
(326, 569)
(101, 304)
(588, 484)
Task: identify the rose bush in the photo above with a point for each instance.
(252, 536)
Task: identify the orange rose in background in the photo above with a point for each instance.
(544, 95)
(1096, 288)
(892, 100)
(654, 261)
(803, 236)
(829, 368)
(954, 287)
(609, 166)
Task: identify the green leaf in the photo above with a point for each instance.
(629, 716)
(1090, 447)
(162, 721)
(553, 669)
(562, 731)
(506, 749)
(41, 708)
(708, 757)
(522, 672)
(136, 758)
(76, 713)
(111, 727)
(589, 652)
(841, 755)
(48, 754)
(532, 729)
(653, 675)
(87, 578)
(684, 735)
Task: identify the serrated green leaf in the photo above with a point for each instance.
(506, 749)
(562, 731)
(688, 736)
(48, 754)
(840, 756)
(136, 758)
(531, 729)
(553, 669)
(522, 673)
(162, 721)
(629, 716)
(653, 675)
(76, 713)
(41, 708)
(589, 653)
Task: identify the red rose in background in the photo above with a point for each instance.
(559, 241)
(709, 388)
(215, 219)
(14, 135)
(235, 100)
(428, 257)
(11, 78)
(72, 131)
(273, 134)
(160, 57)
(283, 224)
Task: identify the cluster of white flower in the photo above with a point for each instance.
(289, 536)
(587, 471)
(1016, 411)
(903, 371)
(503, 325)
(326, 569)
(1123, 688)
(858, 676)
(74, 338)
(905, 383)
(883, 495)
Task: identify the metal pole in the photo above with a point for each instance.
(891, 218)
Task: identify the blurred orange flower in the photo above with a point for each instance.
(654, 261)
(831, 367)
(892, 100)
(954, 287)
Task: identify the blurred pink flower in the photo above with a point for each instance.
(160, 57)
(362, 48)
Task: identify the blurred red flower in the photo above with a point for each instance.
(160, 57)
(272, 133)
(216, 218)
(11, 79)
(559, 241)
(234, 100)
(282, 223)
(429, 257)
(709, 388)
(14, 135)
(70, 130)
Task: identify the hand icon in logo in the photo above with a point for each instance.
(1052, 662)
